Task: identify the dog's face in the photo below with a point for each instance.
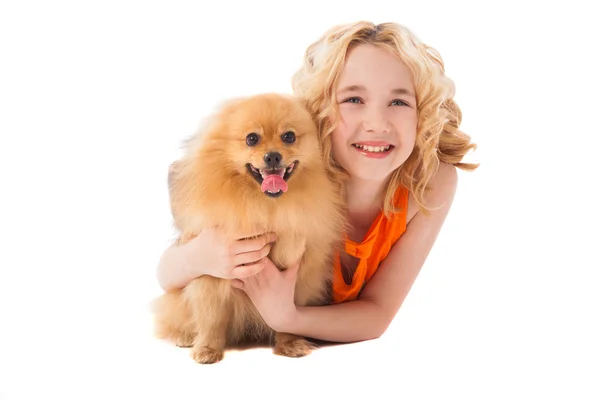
(268, 141)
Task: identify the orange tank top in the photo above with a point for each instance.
(375, 246)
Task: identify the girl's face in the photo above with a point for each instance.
(378, 115)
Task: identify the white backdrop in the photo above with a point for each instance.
(95, 98)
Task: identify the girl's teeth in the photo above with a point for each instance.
(373, 149)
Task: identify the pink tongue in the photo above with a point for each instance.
(274, 183)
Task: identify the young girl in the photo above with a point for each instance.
(389, 129)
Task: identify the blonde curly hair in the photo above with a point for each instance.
(439, 117)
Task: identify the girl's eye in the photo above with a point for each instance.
(352, 100)
(399, 103)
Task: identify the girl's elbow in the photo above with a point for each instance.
(382, 327)
(381, 324)
(376, 331)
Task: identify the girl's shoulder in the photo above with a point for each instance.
(442, 190)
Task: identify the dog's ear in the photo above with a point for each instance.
(309, 106)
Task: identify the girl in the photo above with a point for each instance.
(389, 129)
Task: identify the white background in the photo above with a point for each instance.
(95, 98)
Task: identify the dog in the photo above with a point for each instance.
(256, 166)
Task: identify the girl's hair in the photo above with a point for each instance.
(438, 137)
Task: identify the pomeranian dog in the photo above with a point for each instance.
(256, 167)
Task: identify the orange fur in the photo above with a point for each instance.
(211, 186)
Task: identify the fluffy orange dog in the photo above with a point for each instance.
(257, 167)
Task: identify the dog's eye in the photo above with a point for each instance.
(252, 139)
(289, 137)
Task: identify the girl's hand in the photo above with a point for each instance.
(272, 292)
(210, 253)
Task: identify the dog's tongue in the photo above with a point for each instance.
(274, 183)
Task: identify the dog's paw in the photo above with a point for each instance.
(294, 348)
(206, 355)
(184, 340)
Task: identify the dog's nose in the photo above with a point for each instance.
(272, 159)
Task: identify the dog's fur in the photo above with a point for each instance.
(211, 185)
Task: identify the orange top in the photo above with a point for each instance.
(375, 246)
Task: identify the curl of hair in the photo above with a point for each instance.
(438, 139)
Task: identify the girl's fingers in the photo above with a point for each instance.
(254, 244)
(253, 256)
(246, 271)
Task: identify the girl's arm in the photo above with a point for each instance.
(174, 270)
(210, 253)
(369, 316)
